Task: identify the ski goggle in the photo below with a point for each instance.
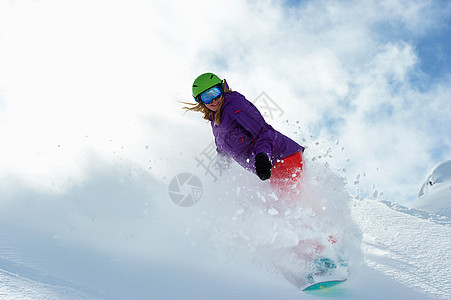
(209, 95)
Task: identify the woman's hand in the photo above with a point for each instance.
(263, 166)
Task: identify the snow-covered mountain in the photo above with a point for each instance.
(435, 193)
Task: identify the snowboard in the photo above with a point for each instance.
(328, 274)
(323, 285)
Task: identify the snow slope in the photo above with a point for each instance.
(118, 236)
(409, 249)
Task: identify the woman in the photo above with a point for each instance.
(241, 133)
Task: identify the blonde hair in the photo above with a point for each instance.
(208, 114)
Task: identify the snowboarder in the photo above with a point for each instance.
(242, 134)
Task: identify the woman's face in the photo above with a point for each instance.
(214, 105)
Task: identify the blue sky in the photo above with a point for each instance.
(373, 74)
(434, 52)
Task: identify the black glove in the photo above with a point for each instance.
(263, 166)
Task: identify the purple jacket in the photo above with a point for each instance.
(243, 133)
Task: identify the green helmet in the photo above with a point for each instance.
(204, 82)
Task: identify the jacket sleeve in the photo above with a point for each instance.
(263, 134)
